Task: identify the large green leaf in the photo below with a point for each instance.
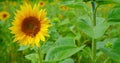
(87, 29)
(46, 46)
(111, 48)
(59, 53)
(93, 32)
(114, 15)
(65, 42)
(100, 29)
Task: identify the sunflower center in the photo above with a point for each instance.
(41, 3)
(4, 15)
(31, 26)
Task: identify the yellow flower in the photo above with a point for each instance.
(30, 25)
(13, 3)
(42, 4)
(4, 15)
(60, 16)
(65, 8)
(56, 0)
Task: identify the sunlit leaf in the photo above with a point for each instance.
(61, 52)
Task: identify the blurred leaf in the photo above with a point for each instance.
(66, 21)
(59, 53)
(46, 46)
(87, 29)
(21, 48)
(111, 48)
(93, 32)
(33, 57)
(67, 1)
(114, 15)
(2, 1)
(69, 60)
(100, 29)
(107, 1)
(86, 0)
(76, 5)
(65, 42)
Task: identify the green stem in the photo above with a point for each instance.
(93, 51)
(94, 12)
(79, 58)
(94, 24)
(40, 55)
(106, 60)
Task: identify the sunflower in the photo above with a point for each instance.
(42, 4)
(64, 8)
(60, 16)
(30, 26)
(4, 15)
(56, 0)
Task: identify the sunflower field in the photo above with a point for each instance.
(59, 31)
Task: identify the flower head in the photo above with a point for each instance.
(4, 15)
(30, 25)
(42, 4)
(65, 8)
(60, 16)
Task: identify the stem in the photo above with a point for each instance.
(93, 39)
(40, 55)
(106, 60)
(94, 12)
(93, 51)
(79, 59)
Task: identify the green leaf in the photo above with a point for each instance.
(76, 5)
(87, 29)
(69, 60)
(93, 32)
(46, 46)
(111, 48)
(66, 21)
(107, 1)
(59, 53)
(114, 15)
(33, 57)
(21, 48)
(65, 42)
(100, 29)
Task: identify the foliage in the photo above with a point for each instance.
(71, 33)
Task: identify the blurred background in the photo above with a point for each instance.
(63, 15)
